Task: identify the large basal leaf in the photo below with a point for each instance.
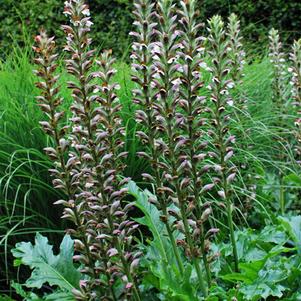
(151, 217)
(27, 296)
(262, 291)
(56, 270)
(292, 225)
(160, 258)
(6, 298)
(59, 295)
(259, 282)
(265, 271)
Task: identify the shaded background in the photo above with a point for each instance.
(26, 193)
(112, 19)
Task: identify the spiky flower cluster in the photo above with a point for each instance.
(223, 141)
(277, 58)
(237, 56)
(90, 174)
(168, 62)
(65, 170)
(236, 52)
(164, 62)
(295, 71)
(175, 165)
(148, 72)
(186, 135)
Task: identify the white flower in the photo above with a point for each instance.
(203, 65)
(171, 60)
(230, 102)
(155, 49)
(133, 56)
(196, 74)
(181, 46)
(89, 23)
(201, 49)
(176, 83)
(230, 85)
(224, 92)
(156, 75)
(86, 12)
(188, 58)
(180, 68)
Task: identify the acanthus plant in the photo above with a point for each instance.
(144, 96)
(166, 64)
(222, 140)
(90, 175)
(177, 123)
(295, 81)
(278, 60)
(279, 85)
(237, 56)
(65, 171)
(174, 163)
(190, 65)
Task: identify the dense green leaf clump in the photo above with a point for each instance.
(220, 219)
(113, 19)
(48, 268)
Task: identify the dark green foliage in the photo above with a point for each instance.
(259, 16)
(56, 270)
(112, 21)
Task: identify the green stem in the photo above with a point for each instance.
(150, 123)
(222, 154)
(173, 244)
(232, 236)
(281, 195)
(191, 247)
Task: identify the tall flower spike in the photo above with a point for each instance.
(117, 230)
(191, 62)
(277, 58)
(237, 55)
(65, 178)
(142, 75)
(295, 71)
(79, 65)
(174, 163)
(279, 85)
(222, 139)
(98, 145)
(146, 75)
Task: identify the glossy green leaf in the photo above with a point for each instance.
(56, 270)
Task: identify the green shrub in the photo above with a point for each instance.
(259, 16)
(111, 21)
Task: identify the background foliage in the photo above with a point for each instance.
(112, 19)
(26, 193)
